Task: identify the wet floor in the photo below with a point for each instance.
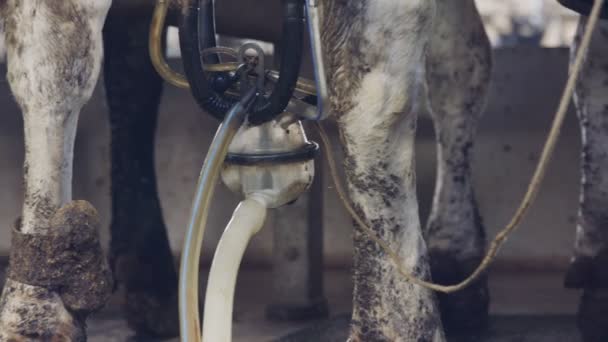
(531, 307)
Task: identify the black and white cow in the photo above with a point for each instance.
(377, 60)
(382, 55)
(54, 54)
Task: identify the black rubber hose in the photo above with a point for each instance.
(220, 81)
(194, 35)
(202, 91)
(291, 60)
(584, 7)
(206, 30)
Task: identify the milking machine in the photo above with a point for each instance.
(259, 151)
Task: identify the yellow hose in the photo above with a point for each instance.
(155, 46)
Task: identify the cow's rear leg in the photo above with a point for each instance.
(377, 73)
(589, 266)
(57, 273)
(141, 257)
(379, 163)
(458, 74)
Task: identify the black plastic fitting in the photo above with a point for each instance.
(584, 7)
(197, 32)
(202, 91)
(307, 152)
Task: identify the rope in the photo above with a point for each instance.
(528, 198)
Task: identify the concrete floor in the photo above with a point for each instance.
(525, 307)
(501, 329)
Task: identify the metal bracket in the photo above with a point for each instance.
(259, 67)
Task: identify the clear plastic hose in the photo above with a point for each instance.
(190, 328)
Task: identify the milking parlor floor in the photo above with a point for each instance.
(525, 307)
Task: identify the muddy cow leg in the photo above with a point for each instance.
(57, 273)
(141, 257)
(590, 261)
(458, 74)
(375, 57)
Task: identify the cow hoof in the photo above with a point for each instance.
(31, 313)
(54, 281)
(578, 273)
(466, 310)
(588, 272)
(593, 315)
(152, 315)
(150, 295)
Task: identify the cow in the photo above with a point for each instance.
(590, 255)
(382, 57)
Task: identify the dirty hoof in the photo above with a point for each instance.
(588, 272)
(32, 313)
(578, 273)
(466, 310)
(55, 280)
(150, 293)
(151, 315)
(593, 315)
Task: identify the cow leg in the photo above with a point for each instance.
(588, 267)
(379, 147)
(57, 273)
(376, 62)
(141, 257)
(458, 73)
